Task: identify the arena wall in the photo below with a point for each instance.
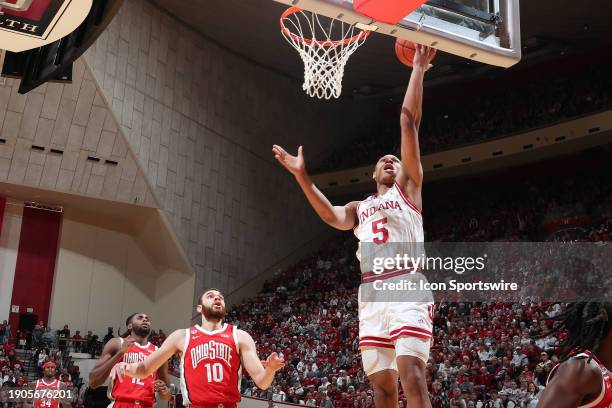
(51, 135)
(201, 122)
(9, 243)
(103, 276)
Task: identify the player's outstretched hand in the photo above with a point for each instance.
(274, 362)
(423, 56)
(118, 371)
(295, 164)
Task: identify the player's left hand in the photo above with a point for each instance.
(274, 362)
(161, 388)
(423, 57)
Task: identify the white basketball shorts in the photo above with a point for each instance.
(391, 329)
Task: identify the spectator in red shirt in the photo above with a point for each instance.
(78, 345)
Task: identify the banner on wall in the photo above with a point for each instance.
(35, 264)
(28, 24)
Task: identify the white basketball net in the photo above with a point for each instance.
(324, 58)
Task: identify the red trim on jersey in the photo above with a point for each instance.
(410, 333)
(416, 329)
(375, 344)
(383, 339)
(368, 277)
(414, 207)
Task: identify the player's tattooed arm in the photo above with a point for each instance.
(262, 376)
(342, 217)
(574, 382)
(111, 354)
(410, 117)
(143, 369)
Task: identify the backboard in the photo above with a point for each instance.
(487, 31)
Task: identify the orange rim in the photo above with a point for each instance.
(293, 10)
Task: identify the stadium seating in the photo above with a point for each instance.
(448, 124)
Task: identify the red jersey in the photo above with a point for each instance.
(210, 367)
(604, 399)
(135, 390)
(51, 398)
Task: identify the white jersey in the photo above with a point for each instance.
(390, 217)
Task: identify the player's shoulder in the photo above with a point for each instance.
(115, 341)
(578, 372)
(178, 334)
(243, 336)
(113, 345)
(240, 332)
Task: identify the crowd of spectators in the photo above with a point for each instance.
(485, 354)
(157, 337)
(475, 118)
(527, 211)
(63, 339)
(11, 366)
(14, 373)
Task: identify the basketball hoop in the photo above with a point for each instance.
(324, 58)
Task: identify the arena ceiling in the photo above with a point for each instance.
(250, 28)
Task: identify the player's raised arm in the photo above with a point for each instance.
(410, 117)
(574, 381)
(262, 376)
(340, 217)
(153, 362)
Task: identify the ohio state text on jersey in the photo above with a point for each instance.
(604, 399)
(210, 366)
(47, 402)
(135, 390)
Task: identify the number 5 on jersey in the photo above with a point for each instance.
(381, 234)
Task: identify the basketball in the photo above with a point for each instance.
(405, 51)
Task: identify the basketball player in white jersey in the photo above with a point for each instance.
(394, 337)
